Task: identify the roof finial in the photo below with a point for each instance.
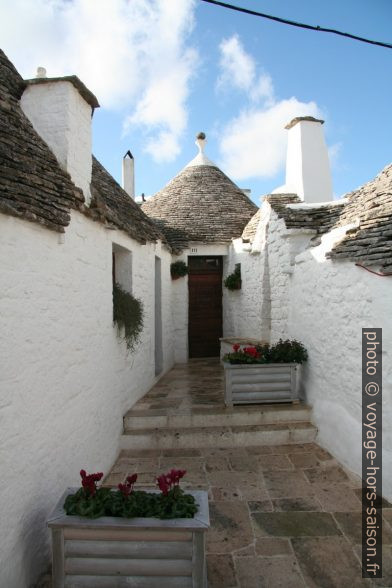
(41, 72)
(201, 141)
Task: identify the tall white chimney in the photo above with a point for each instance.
(307, 166)
(128, 174)
(60, 110)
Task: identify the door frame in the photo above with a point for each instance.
(204, 271)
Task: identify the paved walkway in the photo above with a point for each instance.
(190, 388)
(281, 516)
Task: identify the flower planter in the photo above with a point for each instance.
(261, 383)
(111, 552)
(226, 343)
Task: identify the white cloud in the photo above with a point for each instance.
(126, 52)
(163, 104)
(237, 66)
(238, 69)
(334, 152)
(263, 89)
(253, 143)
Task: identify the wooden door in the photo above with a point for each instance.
(205, 306)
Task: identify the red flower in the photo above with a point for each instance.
(132, 479)
(252, 352)
(127, 488)
(163, 485)
(167, 481)
(236, 347)
(89, 481)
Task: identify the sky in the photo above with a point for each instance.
(164, 70)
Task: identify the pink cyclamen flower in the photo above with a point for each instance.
(132, 479)
(164, 487)
(127, 488)
(89, 481)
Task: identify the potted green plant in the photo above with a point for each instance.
(127, 315)
(263, 373)
(178, 269)
(233, 281)
(127, 537)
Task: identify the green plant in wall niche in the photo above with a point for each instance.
(178, 269)
(128, 315)
(233, 281)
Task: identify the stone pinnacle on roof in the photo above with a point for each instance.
(201, 141)
(200, 158)
(200, 205)
(41, 72)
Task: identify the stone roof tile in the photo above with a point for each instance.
(201, 204)
(32, 184)
(249, 232)
(34, 187)
(371, 208)
(318, 218)
(111, 204)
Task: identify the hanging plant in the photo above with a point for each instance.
(233, 281)
(128, 315)
(178, 269)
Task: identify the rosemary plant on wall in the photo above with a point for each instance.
(128, 315)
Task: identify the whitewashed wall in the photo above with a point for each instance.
(179, 309)
(65, 379)
(283, 246)
(330, 303)
(325, 305)
(63, 119)
(242, 309)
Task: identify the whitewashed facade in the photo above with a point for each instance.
(67, 378)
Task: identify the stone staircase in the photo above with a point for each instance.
(239, 426)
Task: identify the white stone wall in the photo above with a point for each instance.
(63, 119)
(283, 246)
(66, 379)
(179, 309)
(279, 267)
(325, 305)
(330, 303)
(243, 309)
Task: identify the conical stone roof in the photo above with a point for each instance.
(200, 205)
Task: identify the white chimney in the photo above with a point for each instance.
(128, 174)
(60, 110)
(307, 166)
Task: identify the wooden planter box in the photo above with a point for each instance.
(112, 552)
(259, 383)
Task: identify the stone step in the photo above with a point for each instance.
(218, 417)
(281, 433)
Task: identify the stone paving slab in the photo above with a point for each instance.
(281, 516)
(295, 524)
(271, 528)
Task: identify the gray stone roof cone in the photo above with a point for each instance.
(200, 204)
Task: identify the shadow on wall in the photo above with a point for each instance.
(36, 554)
